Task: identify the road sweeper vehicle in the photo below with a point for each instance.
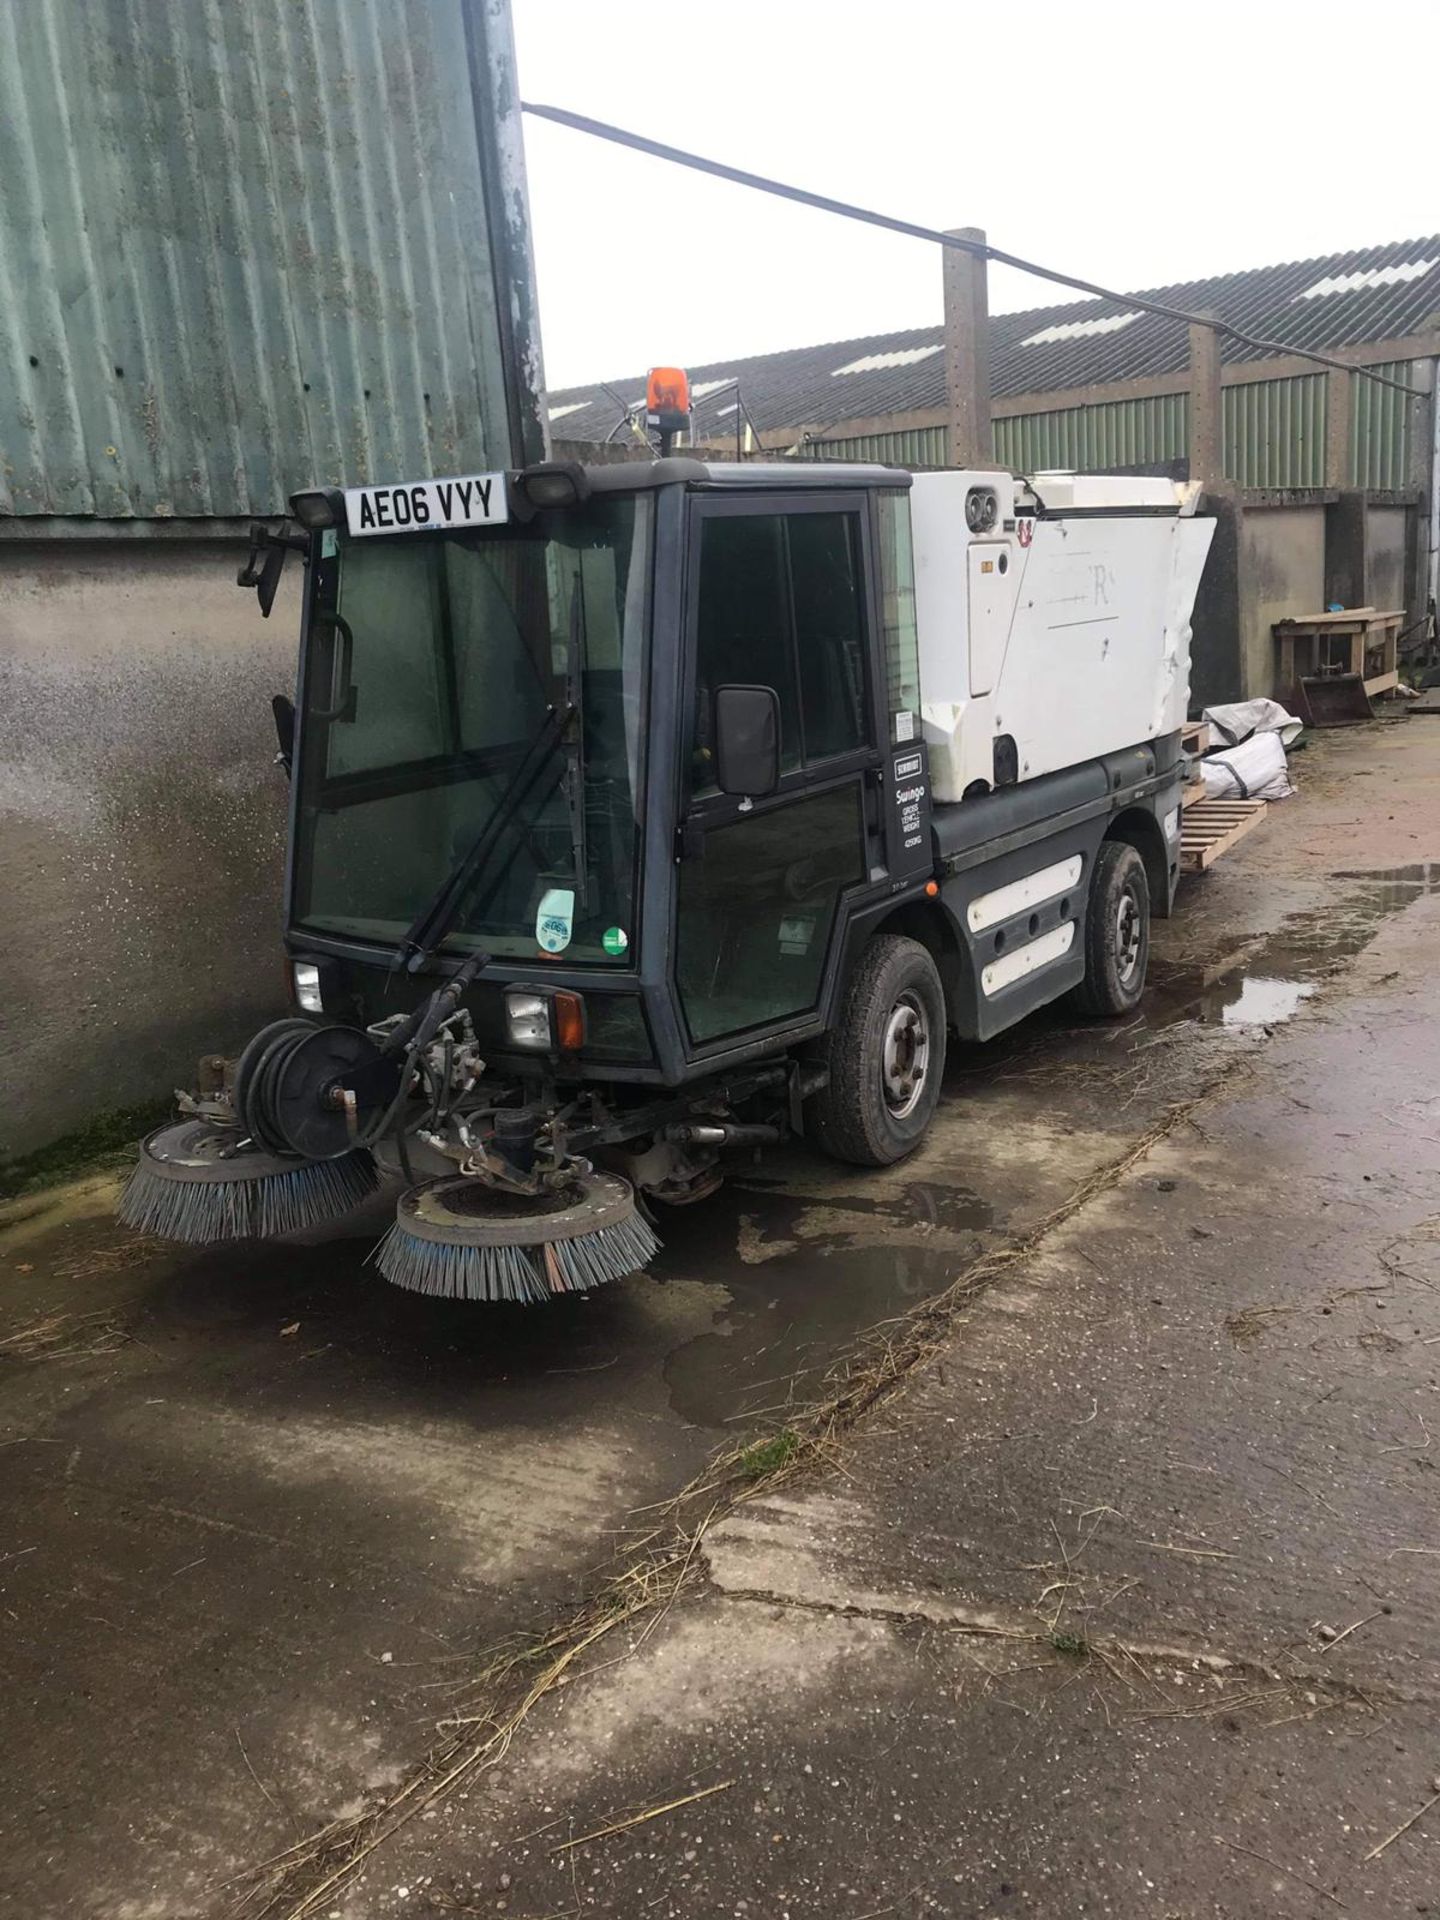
(645, 810)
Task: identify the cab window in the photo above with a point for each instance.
(780, 605)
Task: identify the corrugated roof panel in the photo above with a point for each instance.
(248, 249)
(796, 388)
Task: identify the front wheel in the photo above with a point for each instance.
(1117, 933)
(885, 1053)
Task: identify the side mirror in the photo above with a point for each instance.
(283, 708)
(747, 740)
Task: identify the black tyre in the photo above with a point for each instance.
(1117, 933)
(886, 1055)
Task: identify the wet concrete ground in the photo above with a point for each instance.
(259, 1511)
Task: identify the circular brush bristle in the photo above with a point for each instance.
(199, 1212)
(529, 1275)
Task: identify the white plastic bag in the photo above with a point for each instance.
(1255, 770)
(1229, 725)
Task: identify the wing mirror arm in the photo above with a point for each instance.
(265, 561)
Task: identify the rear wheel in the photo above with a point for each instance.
(885, 1053)
(1117, 933)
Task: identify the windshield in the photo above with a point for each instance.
(434, 661)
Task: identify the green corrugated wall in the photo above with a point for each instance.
(1381, 422)
(1274, 434)
(250, 248)
(916, 447)
(1116, 433)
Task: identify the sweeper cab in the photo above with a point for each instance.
(646, 810)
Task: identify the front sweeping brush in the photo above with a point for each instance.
(462, 1239)
(191, 1185)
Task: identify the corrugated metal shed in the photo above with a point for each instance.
(1336, 300)
(1382, 428)
(254, 247)
(1274, 435)
(1115, 433)
(914, 447)
(1275, 432)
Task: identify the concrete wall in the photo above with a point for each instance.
(1282, 575)
(1386, 554)
(142, 821)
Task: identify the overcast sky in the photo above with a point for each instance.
(1133, 144)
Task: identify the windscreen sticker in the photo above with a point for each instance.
(615, 940)
(796, 933)
(555, 919)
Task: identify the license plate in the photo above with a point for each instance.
(428, 506)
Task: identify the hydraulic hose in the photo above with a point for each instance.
(418, 1029)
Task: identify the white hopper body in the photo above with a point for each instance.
(1067, 634)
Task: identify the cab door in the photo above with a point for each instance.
(780, 596)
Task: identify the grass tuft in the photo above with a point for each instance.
(105, 1140)
(764, 1457)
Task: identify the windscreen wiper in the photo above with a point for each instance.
(438, 915)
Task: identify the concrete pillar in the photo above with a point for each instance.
(967, 353)
(1337, 427)
(1207, 419)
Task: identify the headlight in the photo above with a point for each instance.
(527, 1019)
(549, 1022)
(307, 987)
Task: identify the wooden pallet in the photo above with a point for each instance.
(1195, 737)
(1212, 827)
(1194, 793)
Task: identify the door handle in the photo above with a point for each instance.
(342, 659)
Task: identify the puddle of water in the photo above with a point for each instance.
(1264, 1002)
(1422, 876)
(802, 1286)
(1276, 974)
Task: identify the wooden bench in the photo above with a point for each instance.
(1357, 643)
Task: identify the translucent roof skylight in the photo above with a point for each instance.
(1368, 277)
(1079, 330)
(874, 362)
